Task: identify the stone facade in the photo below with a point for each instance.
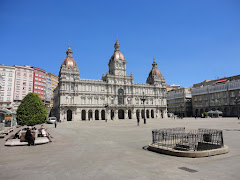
(221, 94)
(179, 101)
(116, 96)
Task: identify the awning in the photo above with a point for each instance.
(5, 111)
(214, 112)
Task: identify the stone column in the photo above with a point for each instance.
(126, 114)
(93, 115)
(116, 115)
(108, 114)
(87, 115)
(134, 114)
(79, 114)
(62, 115)
(165, 113)
(73, 114)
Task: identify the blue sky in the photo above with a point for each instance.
(190, 40)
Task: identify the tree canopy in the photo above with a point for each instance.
(31, 111)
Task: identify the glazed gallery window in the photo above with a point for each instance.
(72, 87)
(120, 96)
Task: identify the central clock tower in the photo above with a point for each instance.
(117, 63)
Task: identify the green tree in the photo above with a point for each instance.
(31, 111)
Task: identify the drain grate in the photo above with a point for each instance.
(145, 147)
(188, 169)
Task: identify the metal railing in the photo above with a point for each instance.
(197, 140)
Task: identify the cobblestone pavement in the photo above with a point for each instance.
(99, 150)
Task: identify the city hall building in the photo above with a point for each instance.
(113, 97)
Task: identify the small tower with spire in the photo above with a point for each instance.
(69, 51)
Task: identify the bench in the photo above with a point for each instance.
(17, 142)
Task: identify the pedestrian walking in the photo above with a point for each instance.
(55, 124)
(138, 120)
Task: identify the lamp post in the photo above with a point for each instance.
(181, 110)
(106, 105)
(143, 100)
(237, 101)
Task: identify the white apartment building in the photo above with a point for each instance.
(7, 90)
(179, 101)
(221, 94)
(23, 83)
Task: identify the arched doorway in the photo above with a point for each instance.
(83, 115)
(234, 111)
(129, 114)
(120, 114)
(138, 113)
(69, 115)
(90, 115)
(196, 112)
(142, 113)
(112, 114)
(103, 115)
(147, 113)
(152, 114)
(96, 115)
(201, 112)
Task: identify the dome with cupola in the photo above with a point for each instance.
(117, 55)
(155, 71)
(69, 62)
(154, 74)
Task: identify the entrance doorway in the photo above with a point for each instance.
(69, 115)
(120, 114)
(103, 115)
(96, 115)
(152, 114)
(138, 113)
(129, 114)
(90, 115)
(83, 115)
(112, 114)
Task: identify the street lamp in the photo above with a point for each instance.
(237, 101)
(181, 110)
(143, 100)
(106, 105)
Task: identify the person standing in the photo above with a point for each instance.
(55, 124)
(138, 120)
(30, 139)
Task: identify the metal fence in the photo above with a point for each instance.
(197, 140)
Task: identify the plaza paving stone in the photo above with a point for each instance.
(100, 150)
